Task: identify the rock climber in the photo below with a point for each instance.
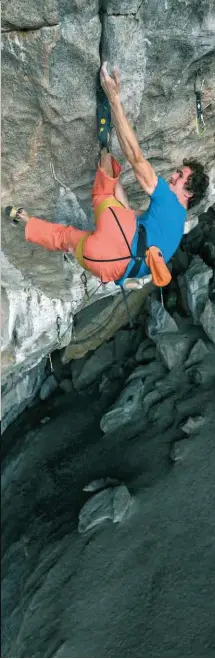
(125, 243)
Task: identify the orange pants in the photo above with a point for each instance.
(105, 242)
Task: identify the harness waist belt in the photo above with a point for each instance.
(141, 249)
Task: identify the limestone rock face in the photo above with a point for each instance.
(51, 53)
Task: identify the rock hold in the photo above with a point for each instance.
(113, 503)
(193, 424)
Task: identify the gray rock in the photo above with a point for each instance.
(180, 450)
(48, 387)
(123, 344)
(66, 385)
(194, 286)
(113, 503)
(121, 503)
(159, 321)
(171, 301)
(146, 351)
(203, 373)
(207, 320)
(172, 348)
(149, 400)
(100, 484)
(198, 352)
(193, 424)
(155, 368)
(93, 367)
(146, 343)
(45, 420)
(128, 403)
(162, 413)
(172, 381)
(95, 511)
(208, 253)
(180, 261)
(104, 384)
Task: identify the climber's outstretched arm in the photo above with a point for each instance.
(144, 172)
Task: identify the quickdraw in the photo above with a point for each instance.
(198, 85)
(84, 282)
(58, 323)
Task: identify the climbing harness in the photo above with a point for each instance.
(151, 256)
(198, 85)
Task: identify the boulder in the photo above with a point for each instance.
(128, 403)
(172, 348)
(203, 373)
(123, 343)
(198, 352)
(172, 381)
(92, 368)
(180, 450)
(194, 287)
(154, 369)
(159, 321)
(145, 353)
(193, 424)
(207, 320)
(113, 503)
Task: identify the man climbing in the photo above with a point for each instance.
(125, 243)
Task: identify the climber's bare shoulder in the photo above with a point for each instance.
(145, 174)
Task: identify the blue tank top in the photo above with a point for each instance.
(164, 224)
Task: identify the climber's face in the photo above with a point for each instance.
(179, 180)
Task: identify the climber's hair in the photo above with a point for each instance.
(197, 182)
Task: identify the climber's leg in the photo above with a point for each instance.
(107, 175)
(121, 195)
(106, 165)
(106, 162)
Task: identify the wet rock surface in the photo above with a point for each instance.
(128, 458)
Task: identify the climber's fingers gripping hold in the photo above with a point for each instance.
(111, 85)
(23, 216)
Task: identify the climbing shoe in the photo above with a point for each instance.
(103, 115)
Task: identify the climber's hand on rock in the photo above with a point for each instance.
(23, 216)
(111, 85)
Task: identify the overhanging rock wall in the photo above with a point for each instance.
(51, 53)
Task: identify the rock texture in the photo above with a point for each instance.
(125, 457)
(51, 53)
